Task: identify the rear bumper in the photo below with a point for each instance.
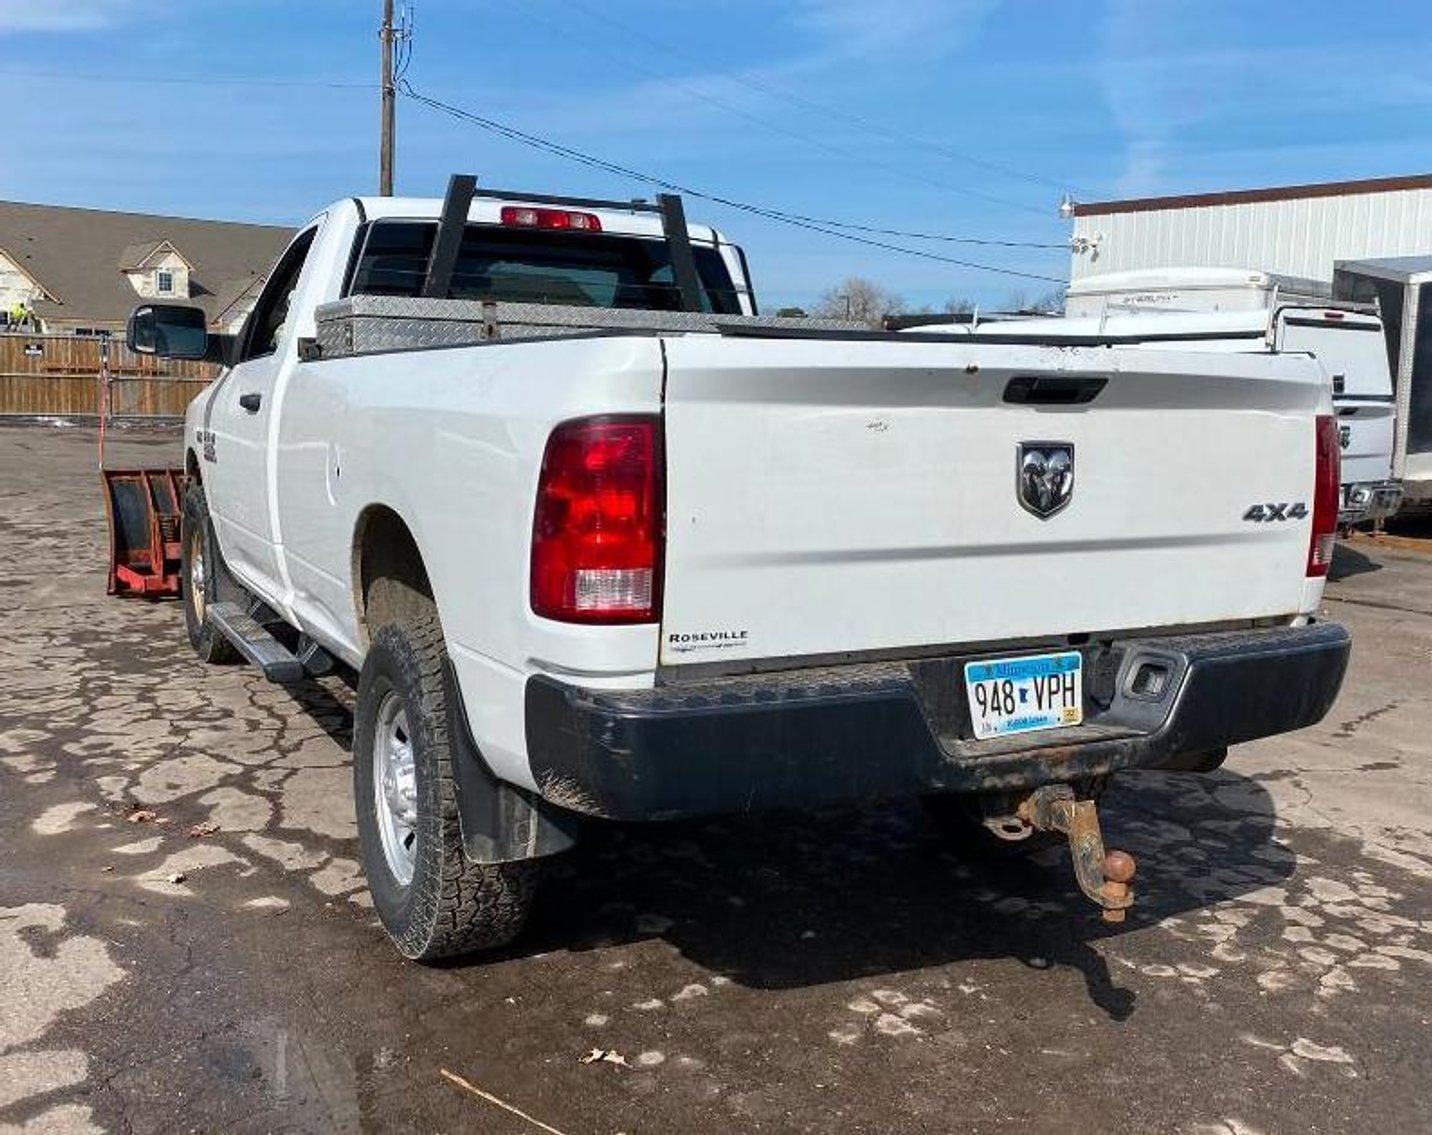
(801, 739)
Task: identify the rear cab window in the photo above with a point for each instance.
(606, 270)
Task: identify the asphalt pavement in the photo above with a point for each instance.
(186, 943)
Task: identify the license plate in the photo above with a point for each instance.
(1020, 695)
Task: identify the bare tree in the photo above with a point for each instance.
(958, 305)
(1049, 303)
(858, 298)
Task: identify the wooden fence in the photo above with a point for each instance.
(59, 376)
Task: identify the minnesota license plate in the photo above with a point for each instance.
(1020, 695)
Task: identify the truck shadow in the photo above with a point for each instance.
(1349, 562)
(786, 901)
(791, 900)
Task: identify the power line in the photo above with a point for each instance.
(906, 234)
(792, 219)
(817, 143)
(404, 60)
(823, 108)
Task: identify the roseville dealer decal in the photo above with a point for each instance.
(681, 643)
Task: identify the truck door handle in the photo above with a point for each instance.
(1052, 390)
(251, 402)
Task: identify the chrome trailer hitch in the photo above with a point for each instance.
(1106, 877)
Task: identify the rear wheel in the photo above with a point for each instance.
(204, 579)
(432, 901)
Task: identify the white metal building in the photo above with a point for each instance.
(1295, 230)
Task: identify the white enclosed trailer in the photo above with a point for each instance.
(1399, 287)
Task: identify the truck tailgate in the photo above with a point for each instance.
(827, 497)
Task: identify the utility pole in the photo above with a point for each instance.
(385, 144)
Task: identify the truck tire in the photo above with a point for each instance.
(204, 580)
(432, 901)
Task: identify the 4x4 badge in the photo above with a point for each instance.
(1044, 477)
(1281, 510)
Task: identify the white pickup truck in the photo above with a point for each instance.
(600, 541)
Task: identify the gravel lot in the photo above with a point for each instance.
(837, 973)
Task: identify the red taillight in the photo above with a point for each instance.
(531, 217)
(597, 530)
(1326, 490)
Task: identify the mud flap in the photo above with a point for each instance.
(500, 822)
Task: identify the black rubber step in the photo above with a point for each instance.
(256, 644)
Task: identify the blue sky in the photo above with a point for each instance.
(956, 117)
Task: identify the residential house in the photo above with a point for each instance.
(82, 271)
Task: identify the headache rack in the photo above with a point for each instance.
(462, 188)
(371, 324)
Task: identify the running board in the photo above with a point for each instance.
(256, 644)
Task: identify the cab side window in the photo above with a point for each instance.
(266, 322)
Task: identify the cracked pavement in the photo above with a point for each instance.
(845, 972)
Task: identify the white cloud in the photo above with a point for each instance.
(1152, 95)
(851, 28)
(1183, 79)
(66, 16)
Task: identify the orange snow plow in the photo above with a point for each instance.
(142, 507)
(143, 510)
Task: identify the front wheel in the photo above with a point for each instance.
(204, 580)
(432, 901)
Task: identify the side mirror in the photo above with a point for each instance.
(168, 330)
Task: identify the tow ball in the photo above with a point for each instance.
(1106, 877)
